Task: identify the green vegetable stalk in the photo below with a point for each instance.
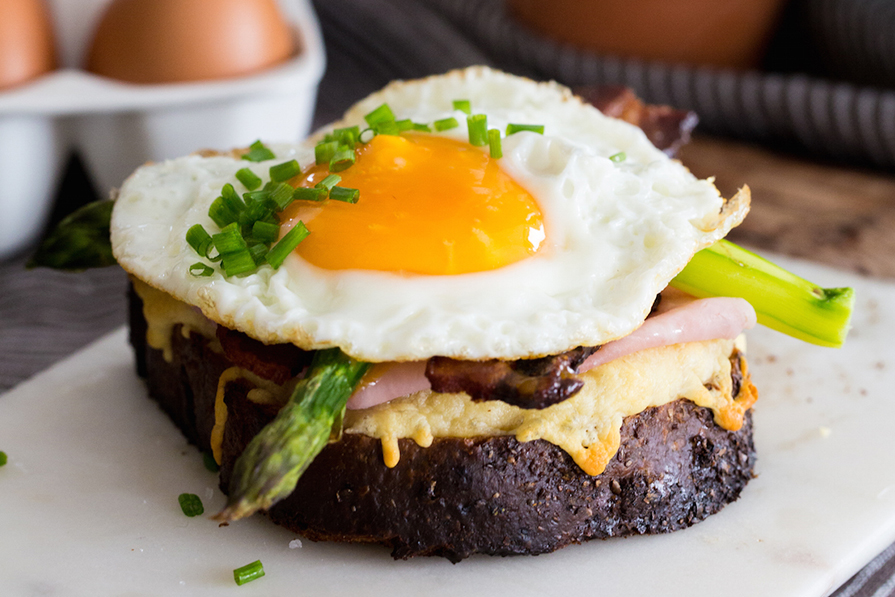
(782, 300)
(270, 466)
(80, 241)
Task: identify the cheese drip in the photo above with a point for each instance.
(162, 312)
(586, 426)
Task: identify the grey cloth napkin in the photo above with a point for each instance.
(46, 315)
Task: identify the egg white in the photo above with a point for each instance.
(616, 233)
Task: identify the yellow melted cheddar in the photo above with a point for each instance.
(586, 426)
(162, 312)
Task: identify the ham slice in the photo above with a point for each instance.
(680, 318)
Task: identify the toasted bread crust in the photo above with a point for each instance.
(461, 496)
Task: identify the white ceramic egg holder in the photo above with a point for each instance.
(116, 126)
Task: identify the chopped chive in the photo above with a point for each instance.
(258, 253)
(265, 232)
(231, 199)
(324, 152)
(221, 214)
(344, 194)
(278, 253)
(478, 129)
(285, 171)
(210, 463)
(534, 128)
(404, 125)
(199, 239)
(191, 504)
(342, 160)
(618, 157)
(329, 182)
(423, 128)
(3, 458)
(494, 144)
(229, 240)
(366, 135)
(381, 114)
(258, 152)
(387, 127)
(239, 262)
(347, 136)
(446, 124)
(306, 194)
(463, 106)
(200, 270)
(248, 573)
(249, 179)
(281, 195)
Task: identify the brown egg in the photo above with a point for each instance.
(726, 33)
(167, 41)
(27, 49)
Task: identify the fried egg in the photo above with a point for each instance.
(449, 251)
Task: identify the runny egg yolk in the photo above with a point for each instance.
(428, 205)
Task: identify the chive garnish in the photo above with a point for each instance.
(494, 144)
(199, 239)
(463, 106)
(347, 136)
(200, 270)
(404, 125)
(306, 194)
(381, 114)
(229, 240)
(446, 124)
(191, 504)
(342, 160)
(423, 128)
(264, 232)
(366, 135)
(258, 152)
(618, 157)
(238, 262)
(3, 458)
(285, 171)
(231, 199)
(281, 195)
(345, 194)
(248, 573)
(277, 255)
(220, 213)
(329, 182)
(478, 129)
(259, 251)
(324, 152)
(534, 128)
(387, 127)
(210, 463)
(248, 179)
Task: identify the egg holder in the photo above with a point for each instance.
(116, 126)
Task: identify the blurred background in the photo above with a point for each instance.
(794, 97)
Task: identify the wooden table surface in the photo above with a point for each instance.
(841, 216)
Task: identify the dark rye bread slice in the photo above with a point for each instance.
(458, 497)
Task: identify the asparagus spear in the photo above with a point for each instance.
(782, 300)
(270, 466)
(80, 241)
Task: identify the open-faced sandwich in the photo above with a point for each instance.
(464, 319)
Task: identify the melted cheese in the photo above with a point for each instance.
(163, 312)
(588, 425)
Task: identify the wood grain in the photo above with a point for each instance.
(836, 215)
